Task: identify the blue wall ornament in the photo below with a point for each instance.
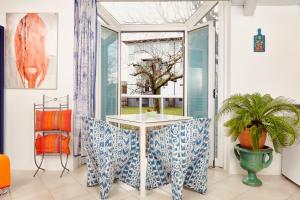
(259, 42)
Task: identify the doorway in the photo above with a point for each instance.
(193, 32)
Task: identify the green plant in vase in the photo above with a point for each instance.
(253, 117)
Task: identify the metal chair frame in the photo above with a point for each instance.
(63, 104)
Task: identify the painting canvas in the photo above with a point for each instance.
(31, 50)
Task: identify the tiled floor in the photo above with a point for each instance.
(221, 186)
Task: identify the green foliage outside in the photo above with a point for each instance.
(167, 110)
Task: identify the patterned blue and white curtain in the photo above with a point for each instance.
(85, 30)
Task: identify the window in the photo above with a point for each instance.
(155, 69)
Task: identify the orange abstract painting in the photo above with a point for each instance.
(31, 54)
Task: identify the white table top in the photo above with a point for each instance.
(143, 121)
(144, 118)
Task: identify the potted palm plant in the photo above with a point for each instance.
(253, 117)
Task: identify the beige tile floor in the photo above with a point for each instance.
(221, 186)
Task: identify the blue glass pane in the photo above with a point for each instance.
(198, 72)
(109, 72)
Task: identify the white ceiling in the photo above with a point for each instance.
(268, 2)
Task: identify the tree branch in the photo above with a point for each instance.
(171, 78)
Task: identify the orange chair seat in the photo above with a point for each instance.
(4, 171)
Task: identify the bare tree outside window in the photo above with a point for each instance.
(154, 67)
(156, 71)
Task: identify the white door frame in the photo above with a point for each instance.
(224, 81)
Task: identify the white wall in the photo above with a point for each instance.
(19, 102)
(277, 71)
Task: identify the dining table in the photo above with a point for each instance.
(144, 121)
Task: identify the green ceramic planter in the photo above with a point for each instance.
(253, 162)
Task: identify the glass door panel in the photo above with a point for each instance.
(200, 77)
(109, 72)
(198, 72)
